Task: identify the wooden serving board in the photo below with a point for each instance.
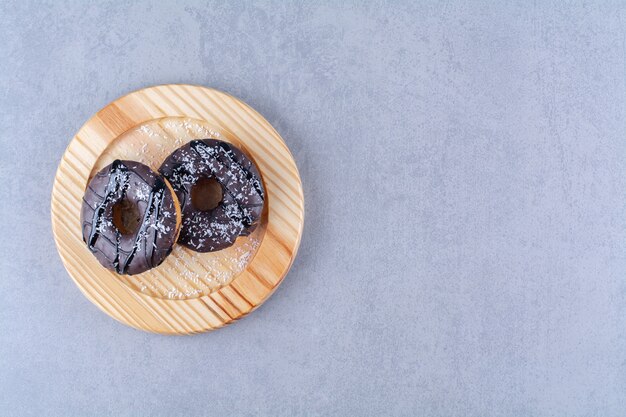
(190, 292)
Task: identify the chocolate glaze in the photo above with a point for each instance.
(148, 246)
(240, 209)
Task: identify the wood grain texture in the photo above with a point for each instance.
(189, 292)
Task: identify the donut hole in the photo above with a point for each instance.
(126, 217)
(206, 194)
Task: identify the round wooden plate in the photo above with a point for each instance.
(190, 292)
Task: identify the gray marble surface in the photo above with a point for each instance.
(464, 169)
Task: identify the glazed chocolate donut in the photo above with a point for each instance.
(130, 217)
(220, 193)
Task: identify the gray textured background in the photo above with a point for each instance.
(464, 168)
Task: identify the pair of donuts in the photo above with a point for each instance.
(205, 195)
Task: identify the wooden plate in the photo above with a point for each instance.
(190, 292)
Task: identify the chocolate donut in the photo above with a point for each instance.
(220, 193)
(130, 217)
